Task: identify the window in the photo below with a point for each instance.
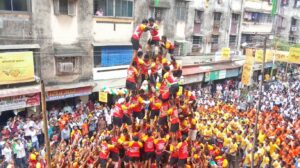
(15, 5)
(257, 17)
(297, 4)
(197, 40)
(64, 7)
(109, 56)
(217, 16)
(180, 11)
(117, 8)
(67, 65)
(156, 13)
(294, 22)
(235, 17)
(198, 16)
(215, 39)
(284, 2)
(232, 39)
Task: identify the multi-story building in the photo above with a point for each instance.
(58, 38)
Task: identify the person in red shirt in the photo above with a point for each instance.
(191, 99)
(155, 105)
(148, 148)
(154, 38)
(154, 67)
(173, 159)
(183, 153)
(104, 152)
(115, 149)
(134, 151)
(118, 114)
(135, 39)
(160, 146)
(177, 70)
(171, 82)
(137, 106)
(163, 116)
(169, 47)
(145, 67)
(127, 111)
(132, 74)
(174, 120)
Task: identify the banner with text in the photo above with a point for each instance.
(294, 55)
(18, 102)
(247, 74)
(16, 67)
(225, 53)
(103, 97)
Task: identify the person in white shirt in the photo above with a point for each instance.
(34, 139)
(7, 152)
(21, 154)
(108, 117)
(68, 109)
(29, 123)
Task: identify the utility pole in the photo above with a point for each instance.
(259, 101)
(45, 123)
(240, 27)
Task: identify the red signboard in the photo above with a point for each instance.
(18, 102)
(68, 93)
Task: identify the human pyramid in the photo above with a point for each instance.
(157, 125)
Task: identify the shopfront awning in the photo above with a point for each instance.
(69, 51)
(70, 86)
(20, 91)
(196, 69)
(116, 83)
(19, 46)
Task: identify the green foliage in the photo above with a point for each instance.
(284, 45)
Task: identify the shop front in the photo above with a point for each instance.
(23, 101)
(70, 96)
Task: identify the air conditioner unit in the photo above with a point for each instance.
(66, 67)
(294, 28)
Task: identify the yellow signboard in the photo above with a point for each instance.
(269, 55)
(294, 55)
(225, 53)
(281, 56)
(16, 67)
(103, 97)
(249, 56)
(259, 56)
(247, 73)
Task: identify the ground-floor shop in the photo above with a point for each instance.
(24, 101)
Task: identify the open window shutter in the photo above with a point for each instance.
(71, 7)
(56, 7)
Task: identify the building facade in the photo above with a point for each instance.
(58, 38)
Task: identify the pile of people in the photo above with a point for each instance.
(159, 123)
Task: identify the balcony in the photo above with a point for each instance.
(258, 6)
(160, 4)
(254, 27)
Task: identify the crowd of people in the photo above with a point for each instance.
(161, 123)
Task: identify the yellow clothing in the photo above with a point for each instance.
(233, 148)
(265, 162)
